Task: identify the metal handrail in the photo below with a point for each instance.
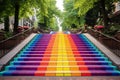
(16, 35)
(105, 35)
(7, 45)
(110, 42)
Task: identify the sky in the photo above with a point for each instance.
(59, 4)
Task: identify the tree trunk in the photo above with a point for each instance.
(104, 13)
(45, 21)
(16, 19)
(6, 23)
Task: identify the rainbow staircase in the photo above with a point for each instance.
(60, 55)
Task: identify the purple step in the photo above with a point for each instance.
(29, 59)
(91, 55)
(34, 52)
(25, 63)
(92, 59)
(45, 43)
(36, 49)
(24, 73)
(39, 45)
(30, 55)
(42, 41)
(85, 49)
(94, 62)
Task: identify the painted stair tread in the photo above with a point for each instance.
(46, 62)
(60, 49)
(42, 73)
(81, 67)
(80, 48)
(54, 58)
(46, 45)
(57, 47)
(61, 55)
(78, 54)
(42, 52)
(63, 61)
(74, 49)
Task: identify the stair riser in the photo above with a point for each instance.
(80, 52)
(80, 68)
(63, 74)
(63, 56)
(53, 60)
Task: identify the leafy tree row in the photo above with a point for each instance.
(71, 18)
(46, 11)
(79, 12)
(48, 17)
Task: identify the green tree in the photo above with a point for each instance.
(21, 8)
(71, 18)
(91, 17)
(5, 12)
(105, 8)
(48, 17)
(46, 11)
